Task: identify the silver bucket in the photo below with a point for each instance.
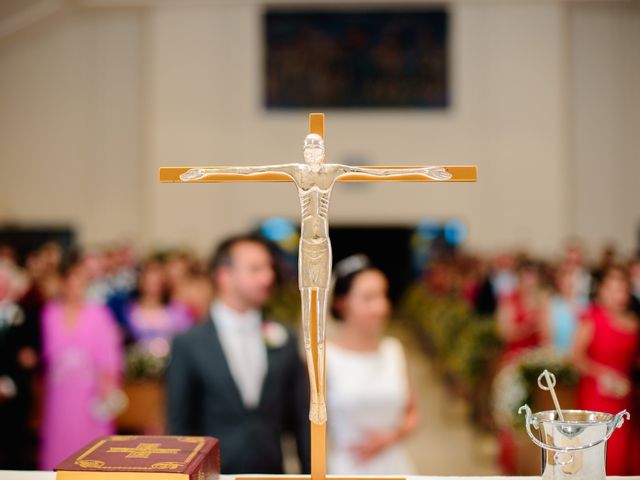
(576, 447)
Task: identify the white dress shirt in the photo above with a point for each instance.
(244, 347)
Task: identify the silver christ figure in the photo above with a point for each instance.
(314, 180)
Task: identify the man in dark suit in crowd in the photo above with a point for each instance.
(238, 376)
(18, 361)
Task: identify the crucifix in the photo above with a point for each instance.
(314, 180)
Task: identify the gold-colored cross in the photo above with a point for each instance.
(143, 450)
(454, 173)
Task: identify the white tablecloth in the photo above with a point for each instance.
(8, 475)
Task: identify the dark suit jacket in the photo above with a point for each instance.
(204, 400)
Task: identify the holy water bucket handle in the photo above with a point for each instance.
(615, 422)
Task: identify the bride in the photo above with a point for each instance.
(370, 399)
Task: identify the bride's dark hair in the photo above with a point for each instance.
(344, 274)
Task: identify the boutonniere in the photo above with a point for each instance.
(10, 316)
(275, 335)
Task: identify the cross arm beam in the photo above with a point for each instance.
(459, 173)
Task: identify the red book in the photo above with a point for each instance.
(144, 458)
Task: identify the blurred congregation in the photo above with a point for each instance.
(87, 335)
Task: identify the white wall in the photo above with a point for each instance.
(100, 92)
(507, 117)
(70, 124)
(606, 107)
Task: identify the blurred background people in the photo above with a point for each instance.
(605, 351)
(499, 283)
(447, 335)
(519, 319)
(42, 268)
(152, 319)
(98, 268)
(17, 361)
(608, 258)
(189, 284)
(195, 295)
(369, 393)
(574, 262)
(180, 266)
(238, 376)
(82, 357)
(559, 318)
(519, 312)
(634, 279)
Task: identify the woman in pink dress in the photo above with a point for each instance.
(83, 362)
(604, 351)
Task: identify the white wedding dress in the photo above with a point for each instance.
(366, 391)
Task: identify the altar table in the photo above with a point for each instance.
(8, 475)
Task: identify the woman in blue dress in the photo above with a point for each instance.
(560, 317)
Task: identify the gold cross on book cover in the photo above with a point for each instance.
(314, 179)
(135, 457)
(143, 450)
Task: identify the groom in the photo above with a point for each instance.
(238, 376)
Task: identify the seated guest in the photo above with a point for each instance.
(152, 321)
(369, 393)
(238, 376)
(82, 357)
(605, 351)
(560, 315)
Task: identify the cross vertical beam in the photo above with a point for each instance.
(318, 432)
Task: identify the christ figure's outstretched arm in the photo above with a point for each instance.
(434, 173)
(199, 173)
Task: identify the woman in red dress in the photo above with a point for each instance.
(519, 313)
(519, 316)
(604, 351)
(635, 414)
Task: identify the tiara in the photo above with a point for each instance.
(351, 264)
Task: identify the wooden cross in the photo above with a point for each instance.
(300, 174)
(143, 450)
